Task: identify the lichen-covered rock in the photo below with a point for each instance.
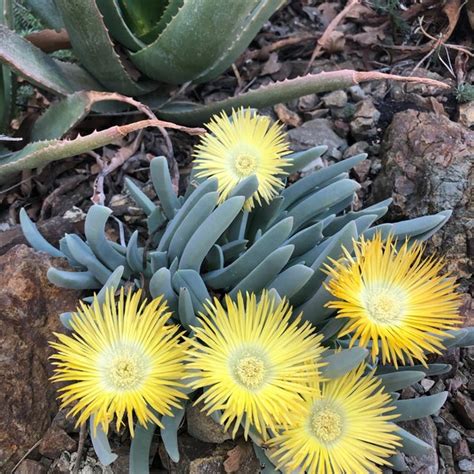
(427, 167)
(29, 314)
(202, 427)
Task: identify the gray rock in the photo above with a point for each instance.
(453, 436)
(55, 441)
(466, 465)
(364, 120)
(203, 427)
(357, 93)
(355, 149)
(425, 429)
(446, 454)
(335, 99)
(317, 132)
(29, 466)
(464, 407)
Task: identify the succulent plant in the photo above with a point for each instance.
(195, 249)
(162, 44)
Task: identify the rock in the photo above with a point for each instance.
(335, 99)
(55, 441)
(464, 407)
(466, 114)
(446, 454)
(461, 450)
(438, 387)
(357, 93)
(364, 120)
(197, 457)
(466, 465)
(316, 132)
(203, 427)
(427, 384)
(425, 429)
(453, 436)
(30, 467)
(427, 164)
(356, 149)
(61, 465)
(30, 308)
(287, 116)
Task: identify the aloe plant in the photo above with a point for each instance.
(163, 44)
(197, 247)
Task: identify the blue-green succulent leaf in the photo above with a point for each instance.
(140, 197)
(169, 432)
(140, 448)
(161, 179)
(420, 407)
(394, 381)
(342, 362)
(101, 444)
(73, 280)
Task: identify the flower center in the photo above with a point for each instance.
(245, 164)
(250, 371)
(124, 371)
(384, 306)
(326, 424)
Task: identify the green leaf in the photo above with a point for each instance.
(191, 280)
(142, 15)
(161, 179)
(412, 445)
(398, 463)
(210, 38)
(342, 362)
(160, 284)
(169, 432)
(300, 159)
(92, 45)
(264, 272)
(291, 280)
(191, 222)
(332, 327)
(34, 238)
(208, 232)
(73, 280)
(269, 242)
(140, 448)
(397, 380)
(101, 444)
(94, 229)
(419, 407)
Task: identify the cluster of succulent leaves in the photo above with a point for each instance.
(195, 249)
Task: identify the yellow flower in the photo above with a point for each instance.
(344, 428)
(242, 146)
(395, 298)
(120, 359)
(253, 361)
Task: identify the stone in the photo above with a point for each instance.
(427, 167)
(30, 308)
(453, 436)
(461, 450)
(466, 113)
(427, 384)
(197, 457)
(466, 465)
(446, 454)
(464, 407)
(55, 441)
(364, 120)
(357, 93)
(203, 427)
(355, 149)
(425, 429)
(335, 99)
(61, 465)
(29, 466)
(316, 132)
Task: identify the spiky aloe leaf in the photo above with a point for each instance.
(284, 91)
(117, 25)
(39, 68)
(210, 38)
(92, 45)
(6, 76)
(47, 12)
(39, 154)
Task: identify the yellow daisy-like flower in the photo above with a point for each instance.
(344, 428)
(241, 146)
(121, 359)
(394, 297)
(253, 361)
